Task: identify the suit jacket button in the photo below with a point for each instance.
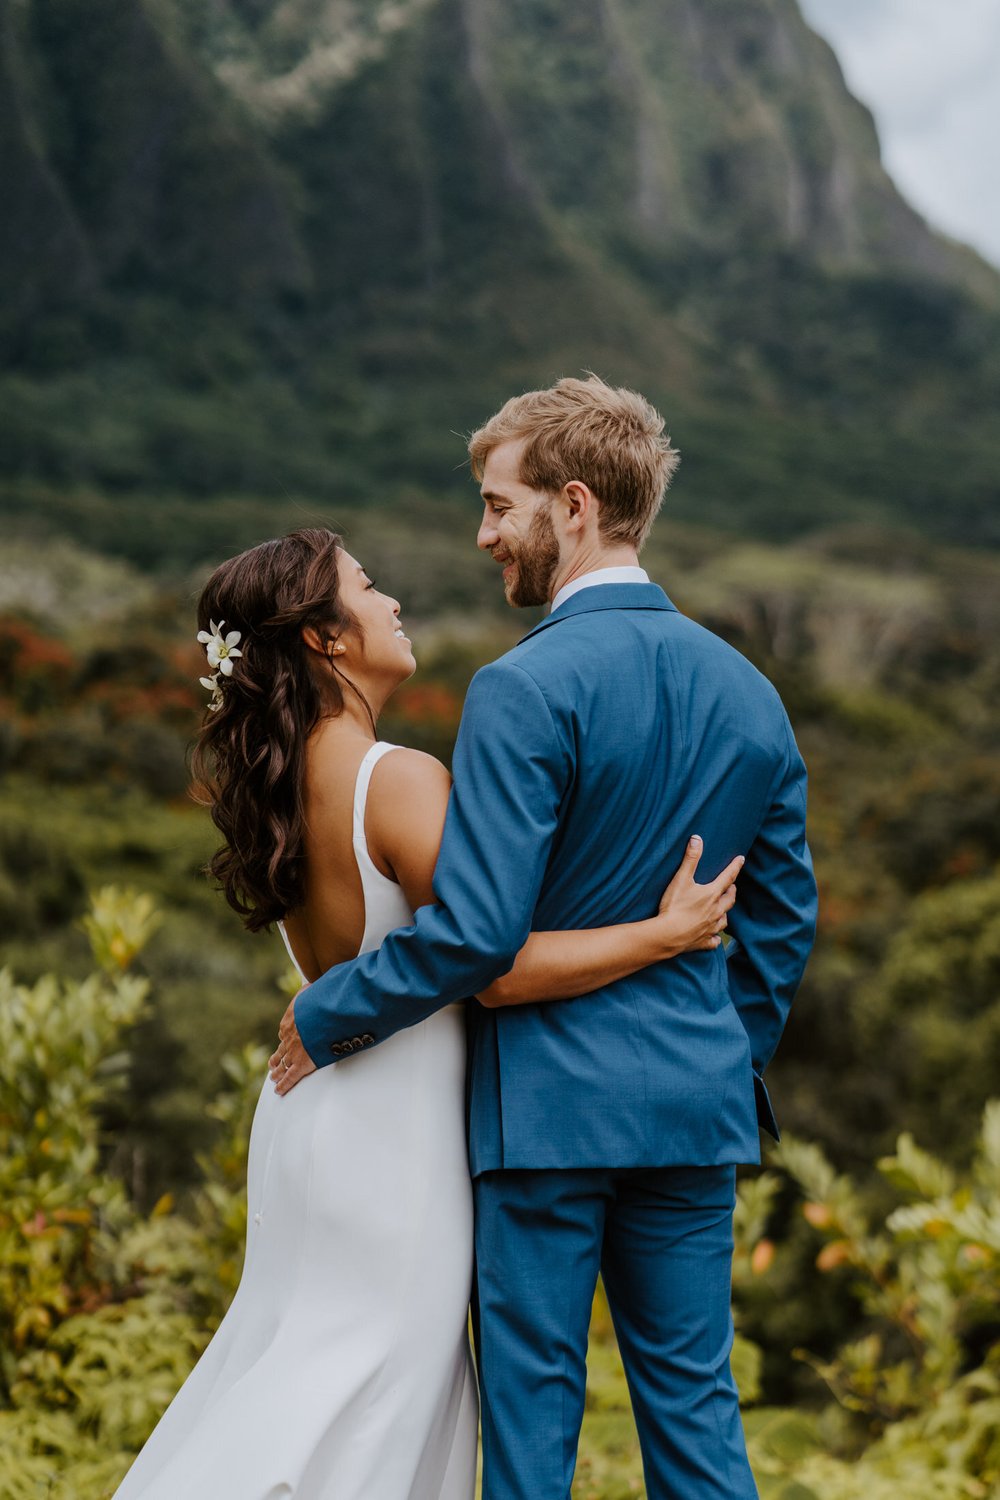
(368, 1041)
(355, 1043)
(337, 1048)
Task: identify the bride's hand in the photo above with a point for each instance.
(694, 916)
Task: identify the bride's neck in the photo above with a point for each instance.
(357, 707)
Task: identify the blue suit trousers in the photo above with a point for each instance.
(662, 1239)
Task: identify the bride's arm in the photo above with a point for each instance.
(558, 965)
(405, 822)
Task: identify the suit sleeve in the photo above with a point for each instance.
(774, 919)
(510, 776)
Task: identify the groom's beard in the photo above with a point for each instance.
(535, 560)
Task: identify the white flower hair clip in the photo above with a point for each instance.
(220, 651)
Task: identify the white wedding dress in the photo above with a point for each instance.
(342, 1370)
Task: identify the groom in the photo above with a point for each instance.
(604, 1130)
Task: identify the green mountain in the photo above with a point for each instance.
(288, 249)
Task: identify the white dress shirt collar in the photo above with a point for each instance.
(599, 575)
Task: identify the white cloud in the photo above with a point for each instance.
(929, 70)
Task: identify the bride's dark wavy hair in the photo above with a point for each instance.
(249, 758)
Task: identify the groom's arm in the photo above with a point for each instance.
(510, 774)
(773, 922)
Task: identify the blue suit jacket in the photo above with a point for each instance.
(585, 759)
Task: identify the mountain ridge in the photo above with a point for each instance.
(773, 40)
(300, 242)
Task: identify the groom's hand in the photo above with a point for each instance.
(289, 1063)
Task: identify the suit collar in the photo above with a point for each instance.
(606, 596)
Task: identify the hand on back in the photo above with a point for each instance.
(697, 915)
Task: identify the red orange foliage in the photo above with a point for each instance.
(428, 702)
(24, 651)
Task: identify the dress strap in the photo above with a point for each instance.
(291, 955)
(367, 766)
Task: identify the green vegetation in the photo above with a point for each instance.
(104, 1307)
(915, 1413)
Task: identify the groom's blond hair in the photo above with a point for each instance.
(610, 439)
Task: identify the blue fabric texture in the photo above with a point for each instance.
(585, 759)
(662, 1239)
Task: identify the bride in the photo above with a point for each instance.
(342, 1370)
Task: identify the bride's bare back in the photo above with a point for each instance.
(404, 821)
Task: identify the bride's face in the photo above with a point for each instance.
(379, 650)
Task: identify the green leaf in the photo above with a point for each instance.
(915, 1171)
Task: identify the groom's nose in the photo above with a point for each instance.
(488, 534)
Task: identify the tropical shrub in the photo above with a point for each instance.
(103, 1310)
(916, 1386)
(104, 1307)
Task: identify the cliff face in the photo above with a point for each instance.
(318, 206)
(140, 141)
(126, 166)
(673, 124)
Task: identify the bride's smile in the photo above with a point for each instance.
(375, 647)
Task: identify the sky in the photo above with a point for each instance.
(929, 70)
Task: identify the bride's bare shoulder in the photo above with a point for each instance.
(407, 774)
(405, 819)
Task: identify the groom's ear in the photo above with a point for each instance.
(580, 505)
